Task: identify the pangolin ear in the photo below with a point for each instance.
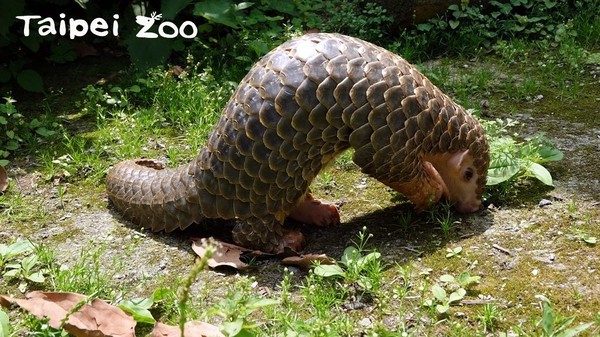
(457, 159)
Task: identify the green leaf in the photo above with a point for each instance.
(12, 145)
(446, 278)
(3, 120)
(365, 260)
(3, 162)
(541, 173)
(547, 319)
(138, 308)
(550, 153)
(261, 302)
(12, 273)
(4, 325)
(160, 294)
(10, 134)
(218, 11)
(465, 279)
(438, 292)
(457, 295)
(454, 24)
(30, 80)
(442, 308)
(18, 247)
(575, 331)
(37, 277)
(29, 262)
(502, 172)
(351, 255)
(44, 132)
(134, 88)
(328, 270)
(592, 240)
(232, 328)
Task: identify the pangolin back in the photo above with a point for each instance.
(300, 106)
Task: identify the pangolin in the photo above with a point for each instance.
(300, 106)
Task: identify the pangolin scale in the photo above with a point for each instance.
(300, 106)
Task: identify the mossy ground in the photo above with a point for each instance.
(519, 249)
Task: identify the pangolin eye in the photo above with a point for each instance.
(468, 174)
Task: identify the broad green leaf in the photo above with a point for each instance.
(134, 88)
(4, 325)
(29, 262)
(10, 134)
(502, 169)
(550, 153)
(37, 277)
(12, 273)
(328, 270)
(160, 294)
(438, 292)
(232, 328)
(12, 145)
(44, 132)
(454, 24)
(592, 240)
(138, 308)
(442, 308)
(18, 247)
(350, 255)
(446, 278)
(3, 120)
(457, 295)
(3, 162)
(363, 261)
(541, 173)
(30, 80)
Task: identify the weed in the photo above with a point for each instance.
(457, 287)
(363, 270)
(442, 215)
(554, 325)
(489, 316)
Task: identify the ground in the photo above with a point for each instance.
(530, 245)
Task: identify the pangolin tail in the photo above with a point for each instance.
(153, 196)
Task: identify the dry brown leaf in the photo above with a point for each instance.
(96, 319)
(3, 179)
(191, 329)
(306, 261)
(226, 254)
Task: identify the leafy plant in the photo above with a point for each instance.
(449, 291)
(16, 130)
(4, 324)
(355, 266)
(489, 317)
(510, 159)
(553, 325)
(139, 308)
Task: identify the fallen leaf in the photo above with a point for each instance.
(191, 329)
(97, 318)
(308, 260)
(3, 179)
(226, 254)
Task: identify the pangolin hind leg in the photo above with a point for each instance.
(312, 211)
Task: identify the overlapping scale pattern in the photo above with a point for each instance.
(298, 107)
